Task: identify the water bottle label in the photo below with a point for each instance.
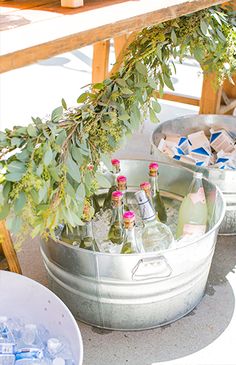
(198, 197)
(29, 353)
(6, 348)
(7, 359)
(194, 229)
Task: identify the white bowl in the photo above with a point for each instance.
(31, 301)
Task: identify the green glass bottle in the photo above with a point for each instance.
(71, 236)
(116, 230)
(116, 170)
(158, 203)
(130, 243)
(193, 212)
(87, 238)
(122, 186)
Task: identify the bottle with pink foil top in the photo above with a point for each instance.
(130, 244)
(192, 220)
(122, 186)
(116, 170)
(157, 201)
(116, 230)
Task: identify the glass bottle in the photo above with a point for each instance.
(192, 219)
(158, 203)
(116, 170)
(71, 236)
(87, 237)
(156, 236)
(122, 186)
(130, 244)
(116, 230)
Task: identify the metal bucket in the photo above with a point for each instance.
(224, 179)
(138, 291)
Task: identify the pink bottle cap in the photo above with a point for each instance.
(117, 195)
(115, 162)
(121, 179)
(145, 185)
(153, 166)
(129, 215)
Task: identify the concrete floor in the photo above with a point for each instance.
(204, 337)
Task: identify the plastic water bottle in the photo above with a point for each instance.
(29, 347)
(7, 343)
(58, 352)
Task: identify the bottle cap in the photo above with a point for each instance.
(153, 166)
(121, 179)
(129, 215)
(3, 319)
(53, 345)
(115, 162)
(117, 195)
(145, 185)
(58, 361)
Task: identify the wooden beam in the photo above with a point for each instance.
(8, 249)
(210, 96)
(100, 61)
(180, 99)
(75, 28)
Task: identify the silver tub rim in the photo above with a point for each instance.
(150, 254)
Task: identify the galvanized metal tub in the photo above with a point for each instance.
(224, 179)
(138, 291)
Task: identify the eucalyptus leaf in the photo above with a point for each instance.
(173, 37)
(4, 211)
(168, 82)
(20, 202)
(156, 106)
(57, 114)
(204, 27)
(6, 190)
(32, 130)
(141, 68)
(63, 103)
(17, 166)
(80, 192)
(73, 169)
(47, 158)
(153, 116)
(61, 137)
(14, 176)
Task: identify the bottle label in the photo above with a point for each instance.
(146, 211)
(6, 348)
(198, 197)
(194, 229)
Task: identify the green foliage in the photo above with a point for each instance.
(49, 170)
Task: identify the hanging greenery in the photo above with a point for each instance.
(49, 169)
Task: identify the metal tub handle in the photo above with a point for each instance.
(148, 268)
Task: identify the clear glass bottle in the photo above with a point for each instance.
(130, 243)
(122, 186)
(116, 170)
(156, 236)
(158, 203)
(116, 230)
(192, 219)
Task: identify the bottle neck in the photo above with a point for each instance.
(195, 185)
(154, 183)
(117, 213)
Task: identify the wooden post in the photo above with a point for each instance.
(119, 43)
(100, 61)
(211, 95)
(8, 249)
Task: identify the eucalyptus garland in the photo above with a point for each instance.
(50, 169)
